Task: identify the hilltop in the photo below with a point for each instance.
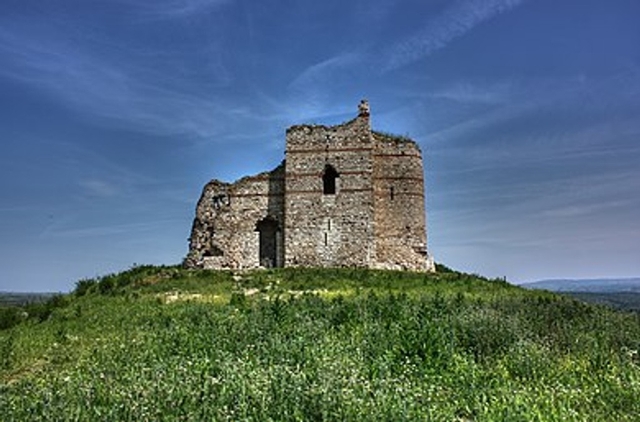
(164, 343)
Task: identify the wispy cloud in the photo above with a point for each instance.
(466, 92)
(454, 22)
(118, 88)
(19, 209)
(573, 210)
(99, 188)
(320, 72)
(534, 148)
(310, 89)
(64, 229)
(178, 9)
(520, 103)
(376, 12)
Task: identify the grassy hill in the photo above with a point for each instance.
(163, 343)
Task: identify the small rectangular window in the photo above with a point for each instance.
(391, 193)
(329, 180)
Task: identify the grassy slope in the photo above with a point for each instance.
(165, 344)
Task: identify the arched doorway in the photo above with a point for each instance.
(268, 255)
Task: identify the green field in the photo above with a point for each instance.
(163, 343)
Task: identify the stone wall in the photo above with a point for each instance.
(334, 229)
(400, 224)
(232, 218)
(345, 196)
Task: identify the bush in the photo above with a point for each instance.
(42, 311)
(6, 352)
(107, 285)
(9, 316)
(84, 286)
(441, 268)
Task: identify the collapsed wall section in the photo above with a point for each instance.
(239, 225)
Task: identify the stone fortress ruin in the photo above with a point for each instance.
(345, 196)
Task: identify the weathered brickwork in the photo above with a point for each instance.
(235, 221)
(344, 196)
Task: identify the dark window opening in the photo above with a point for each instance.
(329, 180)
(220, 200)
(325, 239)
(392, 193)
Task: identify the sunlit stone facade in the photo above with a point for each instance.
(345, 196)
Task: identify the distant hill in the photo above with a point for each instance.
(628, 301)
(592, 285)
(619, 293)
(21, 299)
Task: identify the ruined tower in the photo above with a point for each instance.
(345, 196)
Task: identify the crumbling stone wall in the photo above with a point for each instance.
(231, 218)
(344, 196)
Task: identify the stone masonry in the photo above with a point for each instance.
(345, 196)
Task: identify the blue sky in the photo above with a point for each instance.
(113, 115)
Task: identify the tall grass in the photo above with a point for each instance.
(321, 345)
